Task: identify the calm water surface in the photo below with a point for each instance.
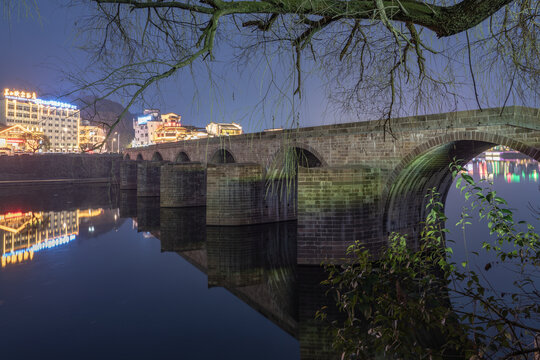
(88, 273)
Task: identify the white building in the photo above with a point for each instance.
(57, 120)
(145, 127)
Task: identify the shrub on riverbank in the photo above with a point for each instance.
(418, 304)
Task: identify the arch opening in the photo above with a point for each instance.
(222, 156)
(127, 157)
(157, 156)
(139, 157)
(182, 157)
(302, 158)
(406, 201)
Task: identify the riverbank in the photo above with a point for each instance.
(59, 169)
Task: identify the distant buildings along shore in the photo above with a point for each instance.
(56, 120)
(31, 124)
(152, 127)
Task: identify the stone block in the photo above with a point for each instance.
(148, 177)
(234, 194)
(183, 185)
(128, 174)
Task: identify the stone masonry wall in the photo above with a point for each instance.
(59, 166)
(366, 142)
(240, 194)
(337, 206)
(183, 185)
(148, 178)
(234, 194)
(128, 175)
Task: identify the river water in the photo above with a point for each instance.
(84, 279)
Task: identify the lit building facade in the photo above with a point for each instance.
(145, 127)
(171, 118)
(155, 128)
(170, 132)
(196, 132)
(223, 129)
(17, 139)
(57, 120)
(91, 136)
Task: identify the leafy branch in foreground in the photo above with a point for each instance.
(408, 303)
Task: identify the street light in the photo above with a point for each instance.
(116, 133)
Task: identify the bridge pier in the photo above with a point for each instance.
(148, 177)
(336, 207)
(183, 185)
(234, 194)
(128, 174)
(239, 194)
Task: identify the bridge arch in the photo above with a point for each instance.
(182, 157)
(157, 156)
(222, 156)
(139, 156)
(298, 155)
(127, 157)
(426, 167)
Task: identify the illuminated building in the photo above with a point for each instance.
(170, 130)
(24, 233)
(195, 132)
(91, 136)
(223, 129)
(171, 117)
(155, 128)
(57, 120)
(16, 138)
(145, 127)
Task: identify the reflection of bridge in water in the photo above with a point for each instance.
(256, 263)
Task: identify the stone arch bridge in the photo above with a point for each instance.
(354, 182)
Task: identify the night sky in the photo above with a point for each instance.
(39, 52)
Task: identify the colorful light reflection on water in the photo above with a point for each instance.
(513, 171)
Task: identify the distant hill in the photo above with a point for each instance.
(107, 112)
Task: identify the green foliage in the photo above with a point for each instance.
(405, 303)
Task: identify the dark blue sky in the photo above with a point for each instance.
(38, 52)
